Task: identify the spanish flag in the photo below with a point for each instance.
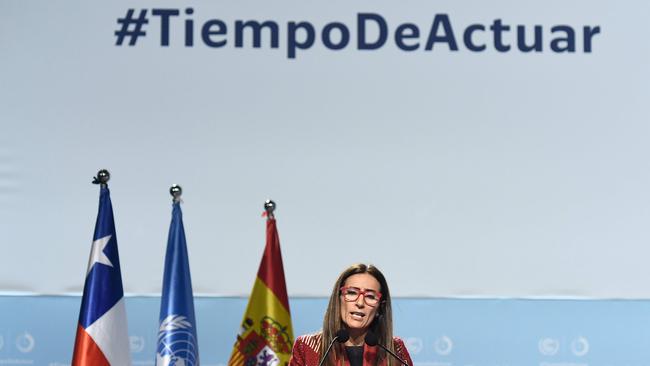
(266, 337)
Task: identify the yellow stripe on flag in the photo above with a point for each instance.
(266, 332)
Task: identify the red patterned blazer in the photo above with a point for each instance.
(306, 352)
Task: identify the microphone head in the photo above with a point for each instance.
(342, 335)
(371, 339)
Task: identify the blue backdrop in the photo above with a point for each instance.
(39, 330)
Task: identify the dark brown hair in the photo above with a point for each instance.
(382, 325)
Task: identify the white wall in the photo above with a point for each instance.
(458, 173)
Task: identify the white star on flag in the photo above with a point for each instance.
(97, 253)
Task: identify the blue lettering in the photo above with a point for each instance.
(497, 29)
(362, 44)
(164, 15)
(189, 29)
(293, 44)
(256, 28)
(211, 28)
(467, 38)
(566, 43)
(537, 40)
(589, 33)
(446, 37)
(327, 36)
(407, 31)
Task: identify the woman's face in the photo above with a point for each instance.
(358, 315)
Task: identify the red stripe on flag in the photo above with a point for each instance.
(271, 271)
(86, 351)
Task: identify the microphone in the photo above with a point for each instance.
(372, 340)
(341, 336)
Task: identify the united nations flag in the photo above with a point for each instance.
(177, 342)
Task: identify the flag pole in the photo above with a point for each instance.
(102, 178)
(176, 191)
(269, 207)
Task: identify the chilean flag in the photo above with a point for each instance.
(102, 337)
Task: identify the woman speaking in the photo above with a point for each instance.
(358, 325)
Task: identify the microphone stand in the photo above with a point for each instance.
(341, 336)
(393, 354)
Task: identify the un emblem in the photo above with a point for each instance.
(176, 343)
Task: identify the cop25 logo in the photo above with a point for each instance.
(548, 346)
(414, 345)
(551, 346)
(136, 344)
(443, 345)
(580, 346)
(25, 343)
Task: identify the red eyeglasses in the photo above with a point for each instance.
(370, 297)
